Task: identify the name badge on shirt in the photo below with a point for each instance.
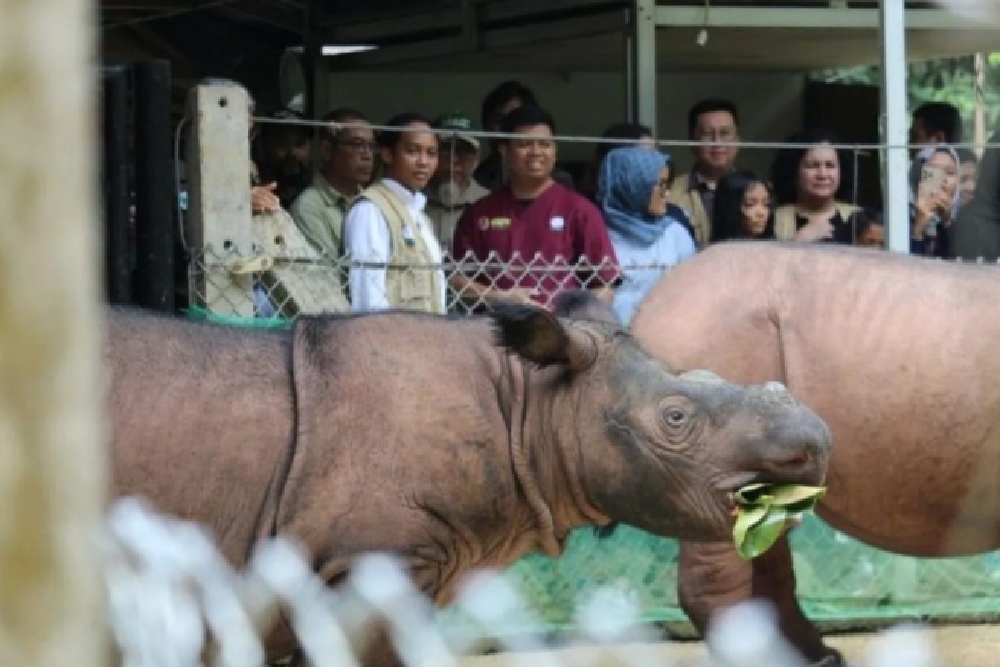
(557, 223)
(408, 236)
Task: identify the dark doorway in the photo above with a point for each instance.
(851, 111)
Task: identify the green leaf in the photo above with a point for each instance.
(763, 535)
(746, 519)
(781, 495)
(763, 509)
(792, 494)
(754, 494)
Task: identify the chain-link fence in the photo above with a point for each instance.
(285, 285)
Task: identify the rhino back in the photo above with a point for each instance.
(899, 355)
(896, 353)
(200, 420)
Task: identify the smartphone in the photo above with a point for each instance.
(931, 180)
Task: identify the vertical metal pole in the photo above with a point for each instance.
(114, 178)
(980, 133)
(628, 43)
(314, 66)
(896, 164)
(642, 61)
(155, 198)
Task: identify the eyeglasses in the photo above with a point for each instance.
(540, 143)
(664, 187)
(719, 134)
(359, 146)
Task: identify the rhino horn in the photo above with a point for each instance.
(701, 376)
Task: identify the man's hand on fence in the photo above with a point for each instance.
(263, 199)
(516, 294)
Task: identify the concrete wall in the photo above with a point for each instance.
(586, 103)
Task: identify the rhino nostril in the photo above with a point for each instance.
(798, 459)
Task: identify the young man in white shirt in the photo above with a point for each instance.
(387, 236)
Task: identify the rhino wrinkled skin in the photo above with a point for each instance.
(454, 443)
(895, 353)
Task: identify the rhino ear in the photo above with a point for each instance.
(582, 304)
(537, 335)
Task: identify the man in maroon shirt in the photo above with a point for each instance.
(537, 228)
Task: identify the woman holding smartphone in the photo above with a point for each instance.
(934, 200)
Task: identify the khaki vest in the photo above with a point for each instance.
(784, 219)
(690, 200)
(408, 288)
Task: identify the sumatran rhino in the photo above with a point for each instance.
(455, 443)
(896, 353)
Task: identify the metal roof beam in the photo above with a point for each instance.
(278, 18)
(487, 13)
(827, 18)
(601, 23)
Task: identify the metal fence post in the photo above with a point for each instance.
(897, 212)
(641, 57)
(115, 181)
(155, 199)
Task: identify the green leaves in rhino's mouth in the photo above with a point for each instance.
(762, 511)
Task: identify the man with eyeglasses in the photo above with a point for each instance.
(715, 122)
(346, 149)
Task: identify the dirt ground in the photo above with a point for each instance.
(956, 646)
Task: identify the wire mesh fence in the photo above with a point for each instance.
(284, 285)
(174, 601)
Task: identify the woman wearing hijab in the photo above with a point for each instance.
(932, 213)
(633, 191)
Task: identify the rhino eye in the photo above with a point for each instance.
(675, 417)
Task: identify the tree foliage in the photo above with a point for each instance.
(947, 80)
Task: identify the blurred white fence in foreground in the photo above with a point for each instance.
(170, 593)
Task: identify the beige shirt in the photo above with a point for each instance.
(683, 193)
(373, 238)
(444, 219)
(319, 212)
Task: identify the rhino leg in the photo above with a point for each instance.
(774, 580)
(712, 576)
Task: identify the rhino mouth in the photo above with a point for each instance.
(732, 483)
(727, 487)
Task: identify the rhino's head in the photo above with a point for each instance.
(650, 447)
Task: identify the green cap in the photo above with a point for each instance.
(460, 124)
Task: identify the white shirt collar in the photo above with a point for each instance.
(415, 200)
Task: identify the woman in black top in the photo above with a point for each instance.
(812, 185)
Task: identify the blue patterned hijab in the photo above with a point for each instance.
(625, 185)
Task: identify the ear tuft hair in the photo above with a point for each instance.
(530, 332)
(582, 304)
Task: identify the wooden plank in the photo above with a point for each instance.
(52, 475)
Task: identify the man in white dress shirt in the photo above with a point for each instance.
(395, 257)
